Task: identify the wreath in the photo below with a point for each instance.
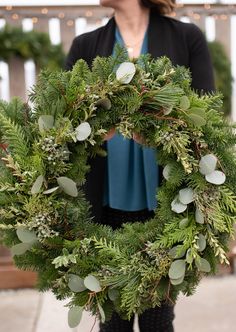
(46, 220)
(32, 45)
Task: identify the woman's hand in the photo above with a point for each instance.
(109, 134)
(138, 138)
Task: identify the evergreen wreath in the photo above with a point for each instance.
(32, 45)
(46, 219)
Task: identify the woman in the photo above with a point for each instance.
(122, 187)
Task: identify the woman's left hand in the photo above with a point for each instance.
(138, 138)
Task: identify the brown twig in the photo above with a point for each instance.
(197, 149)
(168, 293)
(3, 147)
(91, 294)
(164, 117)
(155, 286)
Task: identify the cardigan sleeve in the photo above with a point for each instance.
(200, 61)
(73, 55)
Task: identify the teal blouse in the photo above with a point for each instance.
(132, 176)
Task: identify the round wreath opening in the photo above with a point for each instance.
(46, 219)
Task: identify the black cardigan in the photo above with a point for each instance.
(183, 43)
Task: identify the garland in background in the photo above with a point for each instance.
(44, 215)
(32, 45)
(223, 75)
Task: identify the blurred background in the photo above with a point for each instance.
(38, 34)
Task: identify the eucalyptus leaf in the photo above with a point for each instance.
(177, 206)
(197, 111)
(177, 269)
(83, 131)
(189, 257)
(74, 316)
(201, 242)
(186, 196)
(197, 116)
(76, 284)
(50, 191)
(207, 164)
(203, 265)
(183, 223)
(25, 235)
(167, 110)
(178, 281)
(199, 216)
(92, 283)
(216, 177)
(197, 120)
(102, 313)
(125, 72)
(177, 252)
(104, 103)
(113, 294)
(184, 103)
(167, 171)
(68, 186)
(37, 185)
(45, 122)
(20, 248)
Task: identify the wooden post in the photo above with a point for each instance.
(17, 78)
(201, 22)
(67, 33)
(223, 33)
(10, 276)
(42, 25)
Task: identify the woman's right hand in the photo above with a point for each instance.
(109, 134)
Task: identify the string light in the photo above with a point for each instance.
(196, 16)
(61, 15)
(186, 11)
(223, 17)
(89, 13)
(15, 16)
(35, 20)
(70, 23)
(44, 11)
(207, 6)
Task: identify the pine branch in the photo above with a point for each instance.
(15, 137)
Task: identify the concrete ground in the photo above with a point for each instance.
(211, 309)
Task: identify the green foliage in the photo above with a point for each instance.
(222, 71)
(30, 45)
(44, 167)
(14, 135)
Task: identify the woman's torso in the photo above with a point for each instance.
(183, 43)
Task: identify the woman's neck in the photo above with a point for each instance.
(132, 21)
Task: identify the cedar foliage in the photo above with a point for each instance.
(53, 233)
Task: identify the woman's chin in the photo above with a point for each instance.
(107, 3)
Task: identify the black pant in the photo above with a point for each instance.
(159, 319)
